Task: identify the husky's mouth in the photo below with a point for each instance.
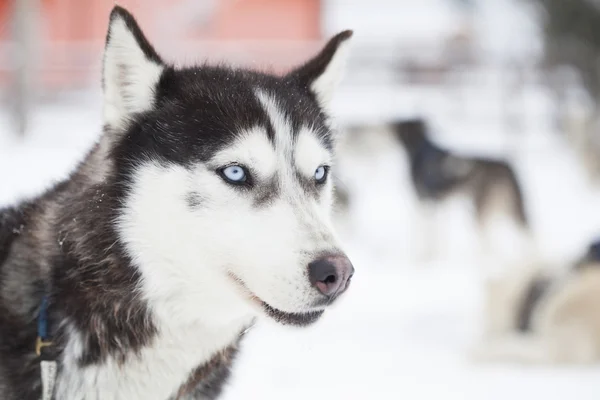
(297, 319)
(283, 317)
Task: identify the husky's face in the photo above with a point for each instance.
(228, 180)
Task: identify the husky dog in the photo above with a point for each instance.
(437, 173)
(491, 186)
(204, 204)
(536, 316)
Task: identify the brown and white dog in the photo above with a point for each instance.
(539, 315)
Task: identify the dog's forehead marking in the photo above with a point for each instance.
(302, 148)
(283, 141)
(282, 127)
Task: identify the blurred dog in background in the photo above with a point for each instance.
(535, 314)
(490, 185)
(438, 173)
(437, 176)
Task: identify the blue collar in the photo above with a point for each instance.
(43, 339)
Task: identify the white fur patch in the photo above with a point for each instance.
(157, 373)
(309, 153)
(130, 78)
(253, 149)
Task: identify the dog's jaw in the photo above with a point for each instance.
(295, 319)
(300, 319)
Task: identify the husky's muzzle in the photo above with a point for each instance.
(330, 275)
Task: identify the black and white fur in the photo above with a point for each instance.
(491, 186)
(438, 173)
(433, 180)
(155, 265)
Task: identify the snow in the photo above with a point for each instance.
(404, 329)
(397, 335)
(60, 135)
(387, 20)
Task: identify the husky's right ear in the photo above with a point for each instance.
(323, 72)
(131, 69)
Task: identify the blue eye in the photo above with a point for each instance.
(234, 174)
(321, 174)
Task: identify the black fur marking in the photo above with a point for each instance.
(207, 381)
(12, 222)
(95, 283)
(21, 289)
(265, 194)
(18, 366)
(295, 319)
(533, 296)
(309, 185)
(270, 131)
(194, 200)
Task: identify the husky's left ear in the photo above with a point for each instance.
(131, 69)
(323, 73)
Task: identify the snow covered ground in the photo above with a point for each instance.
(403, 329)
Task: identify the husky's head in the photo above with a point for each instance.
(227, 170)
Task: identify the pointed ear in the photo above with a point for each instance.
(131, 69)
(323, 73)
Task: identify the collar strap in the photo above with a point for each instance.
(43, 340)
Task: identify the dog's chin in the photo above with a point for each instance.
(293, 319)
(299, 319)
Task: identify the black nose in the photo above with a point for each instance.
(331, 274)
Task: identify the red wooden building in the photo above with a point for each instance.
(70, 34)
